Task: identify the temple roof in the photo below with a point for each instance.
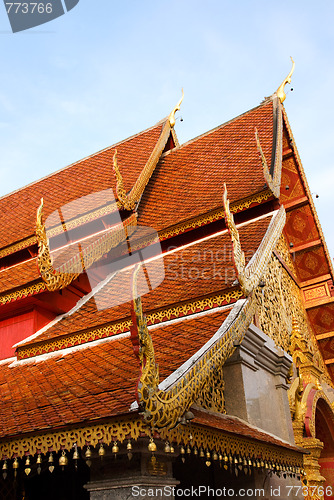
(189, 179)
(92, 381)
(92, 174)
(193, 272)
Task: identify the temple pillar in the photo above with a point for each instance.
(312, 468)
(130, 475)
(132, 487)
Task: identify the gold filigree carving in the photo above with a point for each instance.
(121, 429)
(120, 189)
(300, 347)
(280, 91)
(215, 215)
(23, 292)
(250, 276)
(16, 247)
(109, 330)
(233, 444)
(118, 429)
(53, 279)
(70, 270)
(164, 408)
(280, 307)
(282, 250)
(212, 395)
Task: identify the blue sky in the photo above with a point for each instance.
(107, 70)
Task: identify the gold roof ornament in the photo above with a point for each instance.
(249, 275)
(280, 91)
(166, 408)
(130, 201)
(83, 258)
(171, 117)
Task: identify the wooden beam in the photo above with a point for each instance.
(304, 246)
(314, 281)
(329, 361)
(323, 336)
(298, 202)
(320, 302)
(287, 152)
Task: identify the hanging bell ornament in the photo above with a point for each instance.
(38, 462)
(129, 449)
(102, 451)
(152, 446)
(201, 453)
(167, 447)
(115, 448)
(76, 455)
(88, 456)
(4, 469)
(172, 449)
(27, 469)
(63, 460)
(195, 451)
(215, 456)
(188, 450)
(15, 464)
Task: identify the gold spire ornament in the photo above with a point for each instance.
(280, 91)
(171, 117)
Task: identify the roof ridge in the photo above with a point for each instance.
(211, 131)
(83, 159)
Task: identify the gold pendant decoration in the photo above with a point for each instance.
(249, 276)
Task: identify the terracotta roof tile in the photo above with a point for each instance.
(235, 425)
(96, 382)
(189, 180)
(92, 174)
(193, 272)
(18, 275)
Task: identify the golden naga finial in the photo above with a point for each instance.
(39, 216)
(120, 189)
(177, 108)
(280, 91)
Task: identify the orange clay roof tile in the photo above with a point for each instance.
(194, 272)
(95, 382)
(18, 275)
(235, 425)
(189, 180)
(92, 174)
